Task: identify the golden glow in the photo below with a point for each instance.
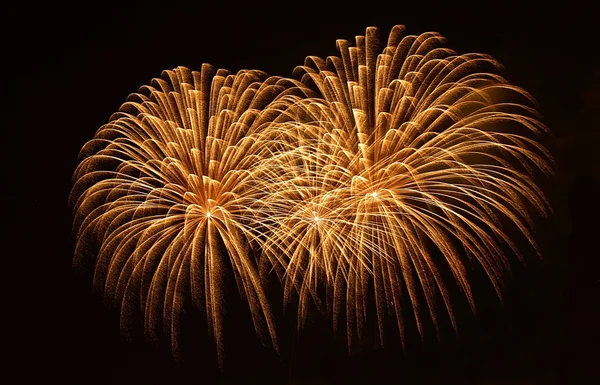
(414, 158)
(345, 179)
(162, 188)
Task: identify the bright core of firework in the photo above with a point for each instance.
(378, 173)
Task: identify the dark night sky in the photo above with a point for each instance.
(71, 67)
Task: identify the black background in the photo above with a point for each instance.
(70, 67)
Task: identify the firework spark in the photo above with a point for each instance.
(159, 188)
(374, 171)
(413, 149)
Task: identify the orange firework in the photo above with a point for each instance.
(160, 188)
(405, 150)
(375, 169)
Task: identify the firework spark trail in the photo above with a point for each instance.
(414, 148)
(375, 170)
(159, 188)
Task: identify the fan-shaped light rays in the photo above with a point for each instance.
(374, 177)
(160, 189)
(406, 150)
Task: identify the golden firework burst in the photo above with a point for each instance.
(160, 189)
(408, 150)
(372, 172)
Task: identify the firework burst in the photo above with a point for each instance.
(160, 190)
(405, 151)
(373, 172)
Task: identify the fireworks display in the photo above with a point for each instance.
(372, 176)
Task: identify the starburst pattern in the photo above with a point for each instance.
(373, 172)
(405, 151)
(160, 189)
